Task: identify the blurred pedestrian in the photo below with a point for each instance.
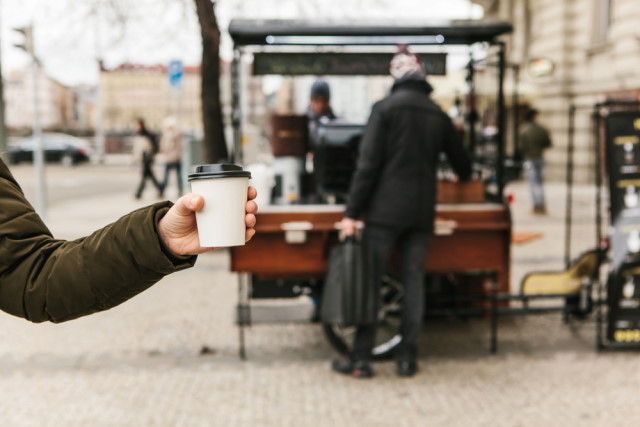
(45, 279)
(534, 139)
(394, 187)
(145, 148)
(171, 149)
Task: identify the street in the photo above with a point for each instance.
(77, 182)
(143, 364)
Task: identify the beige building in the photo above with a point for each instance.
(56, 102)
(85, 106)
(572, 51)
(132, 91)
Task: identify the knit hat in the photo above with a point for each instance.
(320, 88)
(406, 65)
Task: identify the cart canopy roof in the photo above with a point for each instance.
(317, 32)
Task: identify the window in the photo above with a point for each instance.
(601, 20)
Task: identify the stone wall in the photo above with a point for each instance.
(594, 61)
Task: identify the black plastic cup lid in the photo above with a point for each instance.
(219, 170)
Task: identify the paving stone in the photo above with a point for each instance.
(140, 364)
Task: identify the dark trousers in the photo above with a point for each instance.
(147, 173)
(167, 169)
(412, 245)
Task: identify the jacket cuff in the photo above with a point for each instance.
(180, 262)
(351, 212)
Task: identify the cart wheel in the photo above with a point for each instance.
(387, 334)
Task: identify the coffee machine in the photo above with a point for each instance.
(335, 158)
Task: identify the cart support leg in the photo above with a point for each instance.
(243, 314)
(494, 313)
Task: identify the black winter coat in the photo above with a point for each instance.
(395, 180)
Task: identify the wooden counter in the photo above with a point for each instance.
(473, 237)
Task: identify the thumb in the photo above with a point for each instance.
(188, 204)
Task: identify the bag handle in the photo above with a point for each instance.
(354, 238)
(351, 239)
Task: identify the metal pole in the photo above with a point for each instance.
(472, 114)
(3, 129)
(236, 114)
(38, 149)
(598, 178)
(501, 124)
(595, 123)
(100, 140)
(515, 107)
(244, 312)
(569, 199)
(494, 313)
(185, 145)
(236, 156)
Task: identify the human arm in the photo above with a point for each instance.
(45, 279)
(349, 226)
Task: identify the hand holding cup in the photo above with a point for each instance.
(178, 228)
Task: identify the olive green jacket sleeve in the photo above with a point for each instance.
(44, 279)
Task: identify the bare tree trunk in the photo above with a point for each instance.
(214, 144)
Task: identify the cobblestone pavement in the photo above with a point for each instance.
(140, 364)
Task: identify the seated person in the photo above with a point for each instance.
(319, 109)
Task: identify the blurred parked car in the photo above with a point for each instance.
(58, 147)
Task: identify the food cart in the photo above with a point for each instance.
(292, 242)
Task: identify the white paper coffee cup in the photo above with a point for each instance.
(224, 189)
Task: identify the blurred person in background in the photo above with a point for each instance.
(145, 148)
(319, 109)
(534, 139)
(319, 112)
(46, 279)
(171, 149)
(394, 187)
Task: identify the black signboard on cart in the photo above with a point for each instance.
(623, 164)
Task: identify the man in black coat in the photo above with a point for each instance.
(394, 188)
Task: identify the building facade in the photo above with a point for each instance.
(132, 91)
(578, 52)
(56, 102)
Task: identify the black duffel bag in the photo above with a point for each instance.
(348, 298)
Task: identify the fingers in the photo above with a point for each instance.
(188, 204)
(250, 220)
(251, 207)
(196, 202)
(252, 193)
(348, 226)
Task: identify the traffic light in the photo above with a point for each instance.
(27, 42)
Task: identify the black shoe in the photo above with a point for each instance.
(359, 369)
(406, 369)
